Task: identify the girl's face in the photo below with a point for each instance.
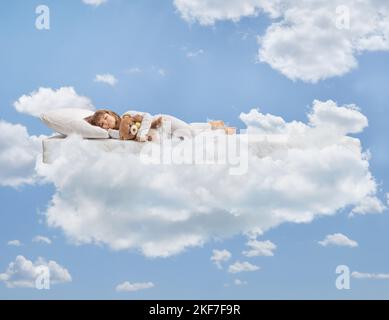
(107, 122)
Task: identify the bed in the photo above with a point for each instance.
(52, 146)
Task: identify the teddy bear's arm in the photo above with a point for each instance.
(124, 129)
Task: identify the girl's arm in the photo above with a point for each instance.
(113, 134)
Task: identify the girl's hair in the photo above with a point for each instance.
(95, 118)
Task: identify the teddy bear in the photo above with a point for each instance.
(130, 125)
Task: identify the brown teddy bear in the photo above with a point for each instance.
(129, 127)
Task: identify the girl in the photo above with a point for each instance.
(111, 121)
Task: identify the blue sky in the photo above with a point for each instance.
(221, 81)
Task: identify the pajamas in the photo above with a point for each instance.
(171, 126)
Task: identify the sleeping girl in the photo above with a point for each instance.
(139, 126)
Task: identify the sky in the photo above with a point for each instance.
(303, 71)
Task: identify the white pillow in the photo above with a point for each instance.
(71, 121)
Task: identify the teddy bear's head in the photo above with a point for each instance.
(129, 127)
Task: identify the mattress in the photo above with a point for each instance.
(52, 146)
(260, 145)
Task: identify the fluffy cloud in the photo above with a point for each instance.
(263, 123)
(311, 42)
(239, 282)
(346, 119)
(296, 172)
(46, 99)
(242, 267)
(209, 11)
(220, 256)
(373, 276)
(15, 243)
(260, 248)
(369, 205)
(95, 3)
(338, 239)
(131, 287)
(23, 273)
(194, 54)
(18, 155)
(307, 40)
(41, 239)
(106, 78)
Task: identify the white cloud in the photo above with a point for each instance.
(131, 287)
(107, 79)
(296, 172)
(41, 239)
(46, 99)
(95, 3)
(220, 256)
(253, 233)
(15, 243)
(242, 267)
(373, 276)
(368, 205)
(347, 119)
(161, 72)
(263, 123)
(260, 248)
(338, 239)
(18, 155)
(306, 39)
(194, 54)
(209, 11)
(239, 282)
(22, 273)
(133, 70)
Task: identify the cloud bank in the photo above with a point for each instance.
(23, 273)
(46, 99)
(296, 171)
(306, 40)
(19, 152)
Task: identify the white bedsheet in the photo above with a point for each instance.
(52, 146)
(259, 144)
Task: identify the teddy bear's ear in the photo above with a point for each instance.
(137, 118)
